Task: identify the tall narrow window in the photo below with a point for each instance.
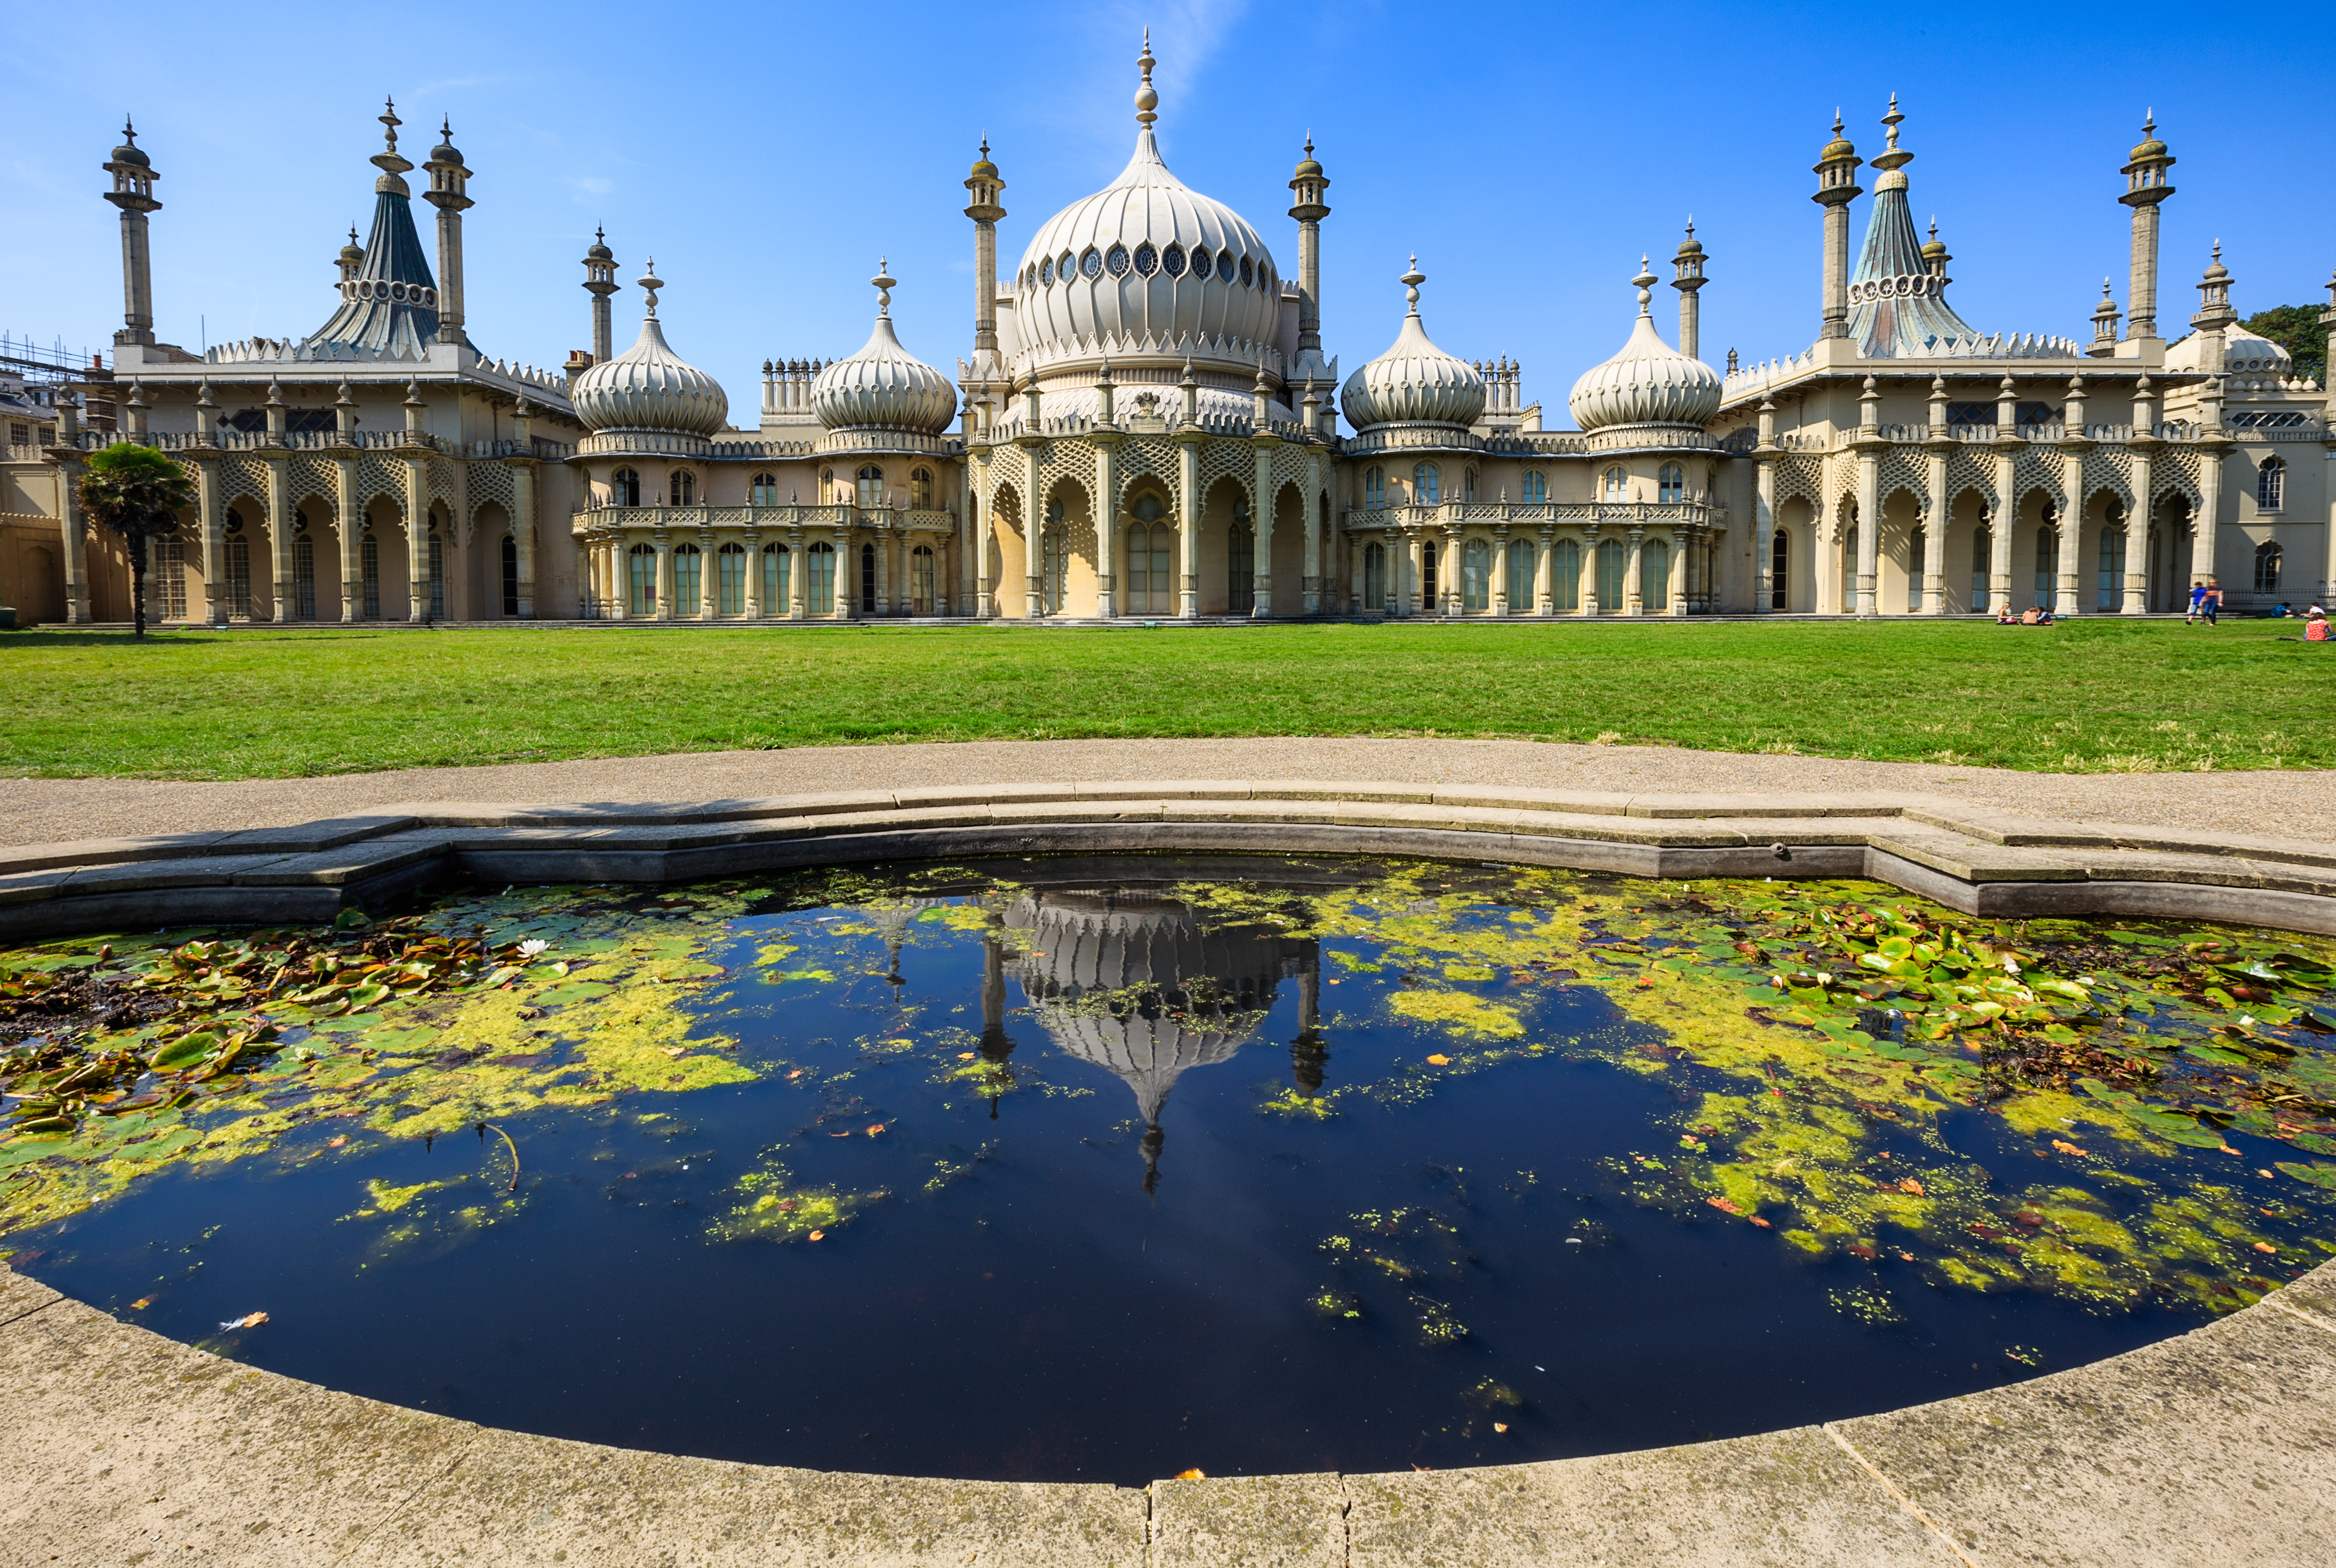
(1614, 487)
(764, 491)
(437, 578)
(1150, 587)
(2047, 555)
(167, 580)
(1375, 577)
(1374, 487)
(1426, 485)
(820, 580)
(1428, 564)
(1780, 562)
(1536, 490)
(1613, 566)
(2267, 564)
(1475, 575)
(640, 581)
(1241, 564)
(511, 576)
(1982, 562)
(2109, 595)
(684, 486)
(625, 488)
(369, 569)
(920, 489)
(1671, 486)
(303, 578)
(1566, 574)
(730, 579)
(921, 580)
(1849, 551)
(2271, 484)
(867, 580)
(868, 484)
(1914, 569)
(1521, 576)
(1469, 487)
(776, 584)
(1655, 577)
(689, 580)
(239, 577)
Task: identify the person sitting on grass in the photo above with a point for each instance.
(2028, 616)
(2315, 625)
(2003, 616)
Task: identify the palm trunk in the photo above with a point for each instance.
(138, 583)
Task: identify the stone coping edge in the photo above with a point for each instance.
(2218, 1445)
(1973, 861)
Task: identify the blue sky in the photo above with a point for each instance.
(767, 154)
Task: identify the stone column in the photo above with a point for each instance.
(1500, 594)
(1415, 572)
(1546, 574)
(2069, 574)
(209, 513)
(1262, 508)
(1633, 584)
(2137, 534)
(523, 525)
(1934, 536)
(1679, 548)
(1450, 593)
(885, 540)
(1310, 587)
(847, 575)
(1187, 516)
(2328, 532)
(1588, 595)
(348, 523)
(1106, 512)
(417, 536)
(73, 524)
(2210, 513)
(1763, 537)
(2001, 521)
(1034, 534)
(1869, 534)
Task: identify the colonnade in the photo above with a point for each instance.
(803, 574)
(1591, 570)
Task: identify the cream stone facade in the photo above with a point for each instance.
(1146, 426)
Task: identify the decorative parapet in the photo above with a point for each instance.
(758, 519)
(1548, 514)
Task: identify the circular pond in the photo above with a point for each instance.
(1112, 1169)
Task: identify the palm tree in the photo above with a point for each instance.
(137, 492)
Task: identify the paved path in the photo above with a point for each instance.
(2291, 804)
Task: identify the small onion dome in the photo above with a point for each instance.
(1934, 248)
(353, 254)
(129, 151)
(1647, 382)
(883, 386)
(1307, 169)
(1413, 382)
(446, 151)
(649, 387)
(983, 169)
(1839, 147)
(2149, 146)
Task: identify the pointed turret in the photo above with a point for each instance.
(389, 308)
(133, 192)
(1836, 171)
(2145, 186)
(1898, 294)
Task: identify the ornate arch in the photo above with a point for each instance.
(1909, 472)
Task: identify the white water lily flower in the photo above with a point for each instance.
(532, 946)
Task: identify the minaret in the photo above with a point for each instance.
(984, 187)
(351, 261)
(1308, 184)
(448, 183)
(600, 281)
(2215, 312)
(133, 192)
(1836, 172)
(1688, 266)
(2145, 188)
(2105, 325)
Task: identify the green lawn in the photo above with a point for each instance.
(2091, 695)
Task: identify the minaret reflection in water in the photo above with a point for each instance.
(1134, 982)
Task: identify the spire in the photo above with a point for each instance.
(883, 283)
(1147, 99)
(650, 283)
(388, 160)
(389, 297)
(1645, 284)
(1411, 280)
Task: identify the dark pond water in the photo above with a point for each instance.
(1110, 1170)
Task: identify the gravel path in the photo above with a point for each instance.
(2291, 804)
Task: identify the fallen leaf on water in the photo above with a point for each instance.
(2266, 1247)
(965, 1056)
(337, 1143)
(1911, 1185)
(676, 1051)
(1191, 1476)
(817, 1235)
(876, 1129)
(1759, 1222)
(1500, 1425)
(249, 1321)
(1725, 1205)
(2066, 1147)
(1439, 1061)
(1908, 1257)
(796, 1073)
(141, 1303)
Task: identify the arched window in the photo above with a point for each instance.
(239, 577)
(304, 578)
(819, 573)
(683, 486)
(920, 489)
(776, 579)
(1655, 576)
(1613, 565)
(1982, 562)
(511, 576)
(2047, 564)
(1780, 562)
(1469, 487)
(1374, 487)
(2267, 557)
(1536, 488)
(870, 482)
(1565, 572)
(2271, 484)
(1426, 485)
(1475, 575)
(826, 487)
(625, 488)
(2109, 595)
(640, 574)
(1241, 563)
(1521, 576)
(1150, 587)
(1672, 484)
(369, 576)
(1614, 486)
(1375, 577)
(1849, 546)
(764, 492)
(1055, 561)
(730, 579)
(921, 578)
(867, 579)
(689, 580)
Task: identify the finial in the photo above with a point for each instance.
(1411, 280)
(1310, 142)
(391, 120)
(599, 234)
(985, 144)
(129, 132)
(1146, 98)
(884, 283)
(446, 126)
(1934, 226)
(1690, 226)
(1645, 284)
(353, 234)
(651, 283)
(1836, 121)
(2148, 121)
(1893, 119)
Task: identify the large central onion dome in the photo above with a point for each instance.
(1146, 266)
(1413, 382)
(883, 387)
(1647, 382)
(649, 387)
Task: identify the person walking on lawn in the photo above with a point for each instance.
(2213, 602)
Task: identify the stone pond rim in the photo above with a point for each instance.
(117, 1444)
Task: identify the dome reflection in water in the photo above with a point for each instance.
(1109, 1169)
